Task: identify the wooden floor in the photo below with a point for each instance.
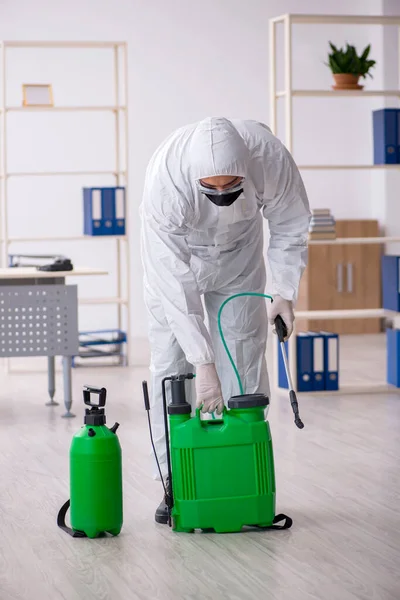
(339, 479)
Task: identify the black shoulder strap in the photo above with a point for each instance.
(288, 522)
(61, 522)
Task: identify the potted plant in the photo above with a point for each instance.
(347, 67)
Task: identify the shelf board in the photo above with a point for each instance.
(360, 313)
(339, 93)
(33, 273)
(61, 173)
(64, 108)
(347, 167)
(60, 44)
(111, 300)
(76, 238)
(352, 241)
(354, 389)
(338, 19)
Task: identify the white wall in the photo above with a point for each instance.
(187, 60)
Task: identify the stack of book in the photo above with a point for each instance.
(323, 225)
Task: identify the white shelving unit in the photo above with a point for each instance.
(120, 172)
(287, 94)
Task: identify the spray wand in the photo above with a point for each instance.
(281, 332)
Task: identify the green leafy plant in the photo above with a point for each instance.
(346, 60)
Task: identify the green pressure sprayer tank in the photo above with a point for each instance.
(95, 474)
(221, 471)
(224, 469)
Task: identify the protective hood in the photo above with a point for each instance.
(216, 148)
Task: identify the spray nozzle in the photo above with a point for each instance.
(295, 408)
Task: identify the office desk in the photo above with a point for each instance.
(39, 317)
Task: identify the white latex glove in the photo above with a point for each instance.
(284, 308)
(208, 389)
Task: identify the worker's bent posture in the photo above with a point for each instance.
(207, 187)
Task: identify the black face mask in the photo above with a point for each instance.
(224, 199)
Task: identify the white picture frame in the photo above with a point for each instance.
(37, 94)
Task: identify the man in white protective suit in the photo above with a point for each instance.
(206, 190)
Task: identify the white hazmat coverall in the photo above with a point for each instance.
(191, 247)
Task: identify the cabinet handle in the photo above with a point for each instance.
(339, 285)
(349, 278)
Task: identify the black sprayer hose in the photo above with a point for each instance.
(168, 495)
(147, 407)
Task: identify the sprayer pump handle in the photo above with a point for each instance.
(101, 392)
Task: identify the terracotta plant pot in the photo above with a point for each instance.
(346, 81)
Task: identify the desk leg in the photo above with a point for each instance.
(51, 368)
(67, 375)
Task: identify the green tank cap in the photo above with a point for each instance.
(248, 401)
